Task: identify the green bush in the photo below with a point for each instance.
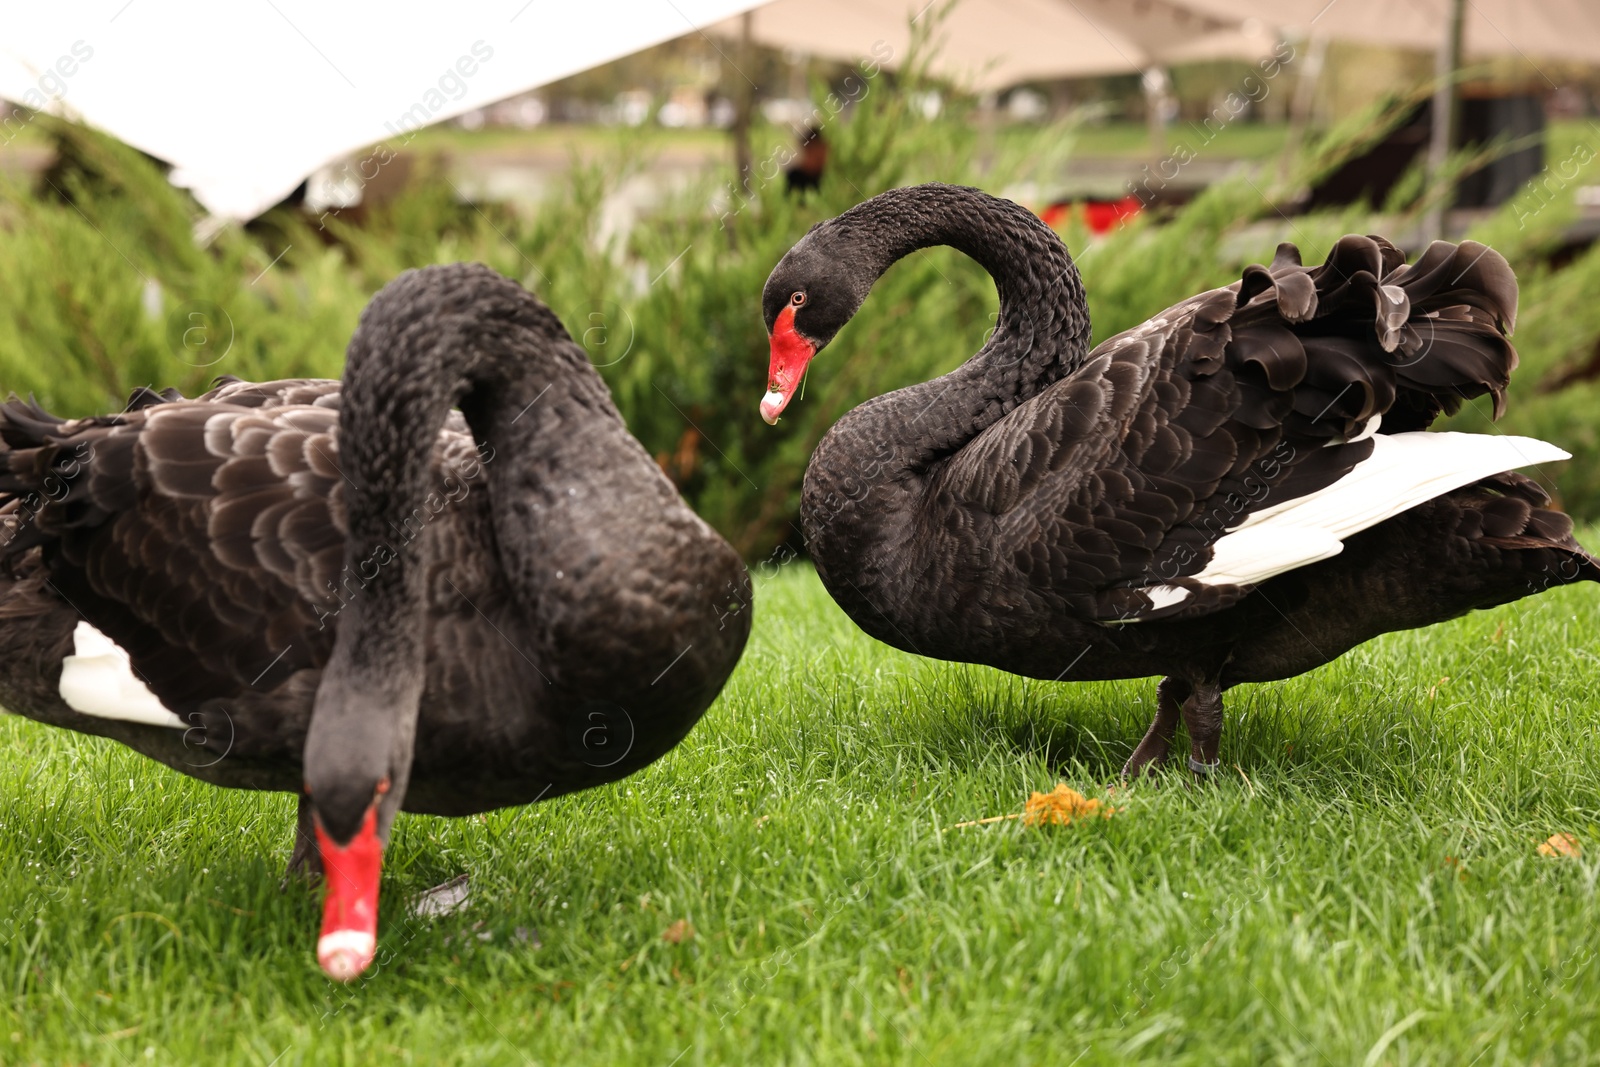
(107, 289)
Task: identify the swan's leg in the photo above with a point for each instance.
(305, 860)
(1170, 695)
(1202, 714)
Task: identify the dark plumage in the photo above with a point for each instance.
(352, 588)
(1053, 511)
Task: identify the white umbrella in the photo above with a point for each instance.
(247, 99)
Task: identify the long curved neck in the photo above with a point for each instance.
(1041, 332)
(429, 341)
(444, 337)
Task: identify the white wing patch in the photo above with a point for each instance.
(1256, 554)
(1404, 470)
(99, 680)
(1164, 596)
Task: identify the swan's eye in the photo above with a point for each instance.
(797, 300)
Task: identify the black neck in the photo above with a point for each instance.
(429, 341)
(1042, 329)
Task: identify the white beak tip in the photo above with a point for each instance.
(346, 954)
(771, 406)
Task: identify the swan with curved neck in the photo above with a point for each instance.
(358, 594)
(1240, 489)
(1042, 329)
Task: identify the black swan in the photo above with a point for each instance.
(1238, 490)
(354, 593)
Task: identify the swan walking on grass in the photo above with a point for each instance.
(355, 593)
(1238, 490)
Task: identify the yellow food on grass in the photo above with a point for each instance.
(1056, 808)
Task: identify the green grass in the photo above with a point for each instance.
(1111, 139)
(1361, 886)
(1131, 140)
(1121, 140)
(584, 140)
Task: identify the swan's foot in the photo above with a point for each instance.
(1202, 715)
(1157, 744)
(306, 859)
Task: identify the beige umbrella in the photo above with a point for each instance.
(1451, 29)
(986, 45)
(992, 44)
(1534, 29)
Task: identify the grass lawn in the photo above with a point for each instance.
(1122, 140)
(1131, 140)
(1360, 887)
(583, 140)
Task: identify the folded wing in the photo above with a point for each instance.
(1251, 429)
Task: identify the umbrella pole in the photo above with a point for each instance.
(988, 120)
(1156, 86)
(1446, 63)
(744, 105)
(1305, 94)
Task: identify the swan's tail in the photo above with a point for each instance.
(1520, 545)
(29, 485)
(1370, 333)
(1338, 368)
(44, 457)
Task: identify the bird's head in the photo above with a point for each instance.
(352, 864)
(357, 761)
(812, 292)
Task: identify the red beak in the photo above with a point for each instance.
(790, 354)
(350, 911)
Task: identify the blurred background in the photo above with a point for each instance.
(1170, 143)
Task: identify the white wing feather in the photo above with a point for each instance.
(98, 680)
(1404, 470)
